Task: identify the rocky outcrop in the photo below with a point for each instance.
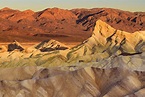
(15, 45)
(50, 45)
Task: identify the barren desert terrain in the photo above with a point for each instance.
(97, 52)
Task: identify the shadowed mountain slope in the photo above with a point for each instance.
(119, 19)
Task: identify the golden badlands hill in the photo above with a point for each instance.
(108, 64)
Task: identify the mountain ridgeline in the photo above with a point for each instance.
(76, 24)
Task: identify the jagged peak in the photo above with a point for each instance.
(51, 42)
(128, 42)
(50, 45)
(103, 28)
(107, 30)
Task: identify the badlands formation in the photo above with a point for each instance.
(108, 64)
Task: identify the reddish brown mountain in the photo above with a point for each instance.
(122, 20)
(63, 25)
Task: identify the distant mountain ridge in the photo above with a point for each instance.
(50, 22)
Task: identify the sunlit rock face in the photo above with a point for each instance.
(108, 64)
